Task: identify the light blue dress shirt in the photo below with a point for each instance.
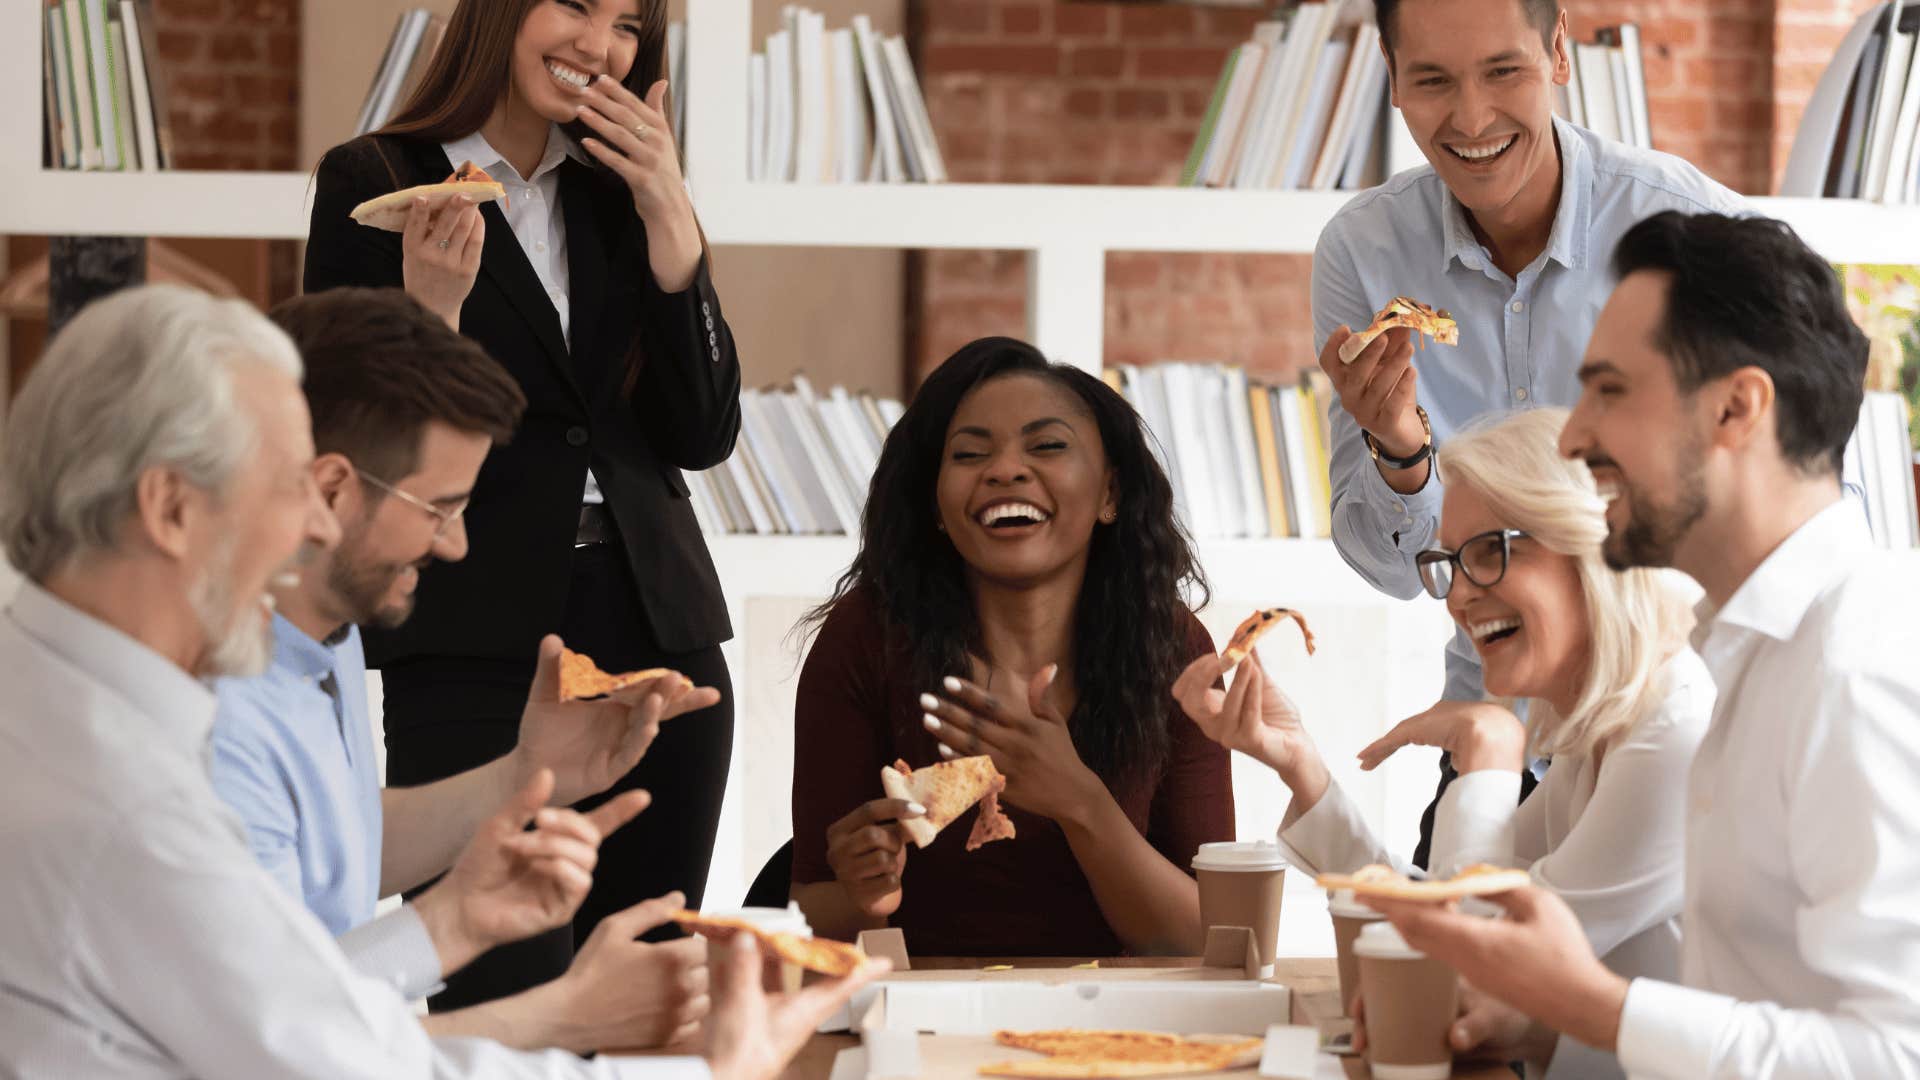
(1521, 340)
(296, 763)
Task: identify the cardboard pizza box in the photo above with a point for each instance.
(935, 1030)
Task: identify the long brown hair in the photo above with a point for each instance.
(471, 69)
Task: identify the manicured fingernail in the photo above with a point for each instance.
(929, 702)
(952, 684)
(947, 751)
(932, 722)
(917, 809)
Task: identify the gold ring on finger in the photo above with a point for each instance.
(445, 244)
(640, 132)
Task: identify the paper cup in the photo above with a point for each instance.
(1349, 918)
(1241, 885)
(780, 976)
(1412, 999)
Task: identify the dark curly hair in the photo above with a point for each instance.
(1130, 638)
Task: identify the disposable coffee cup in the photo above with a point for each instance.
(778, 976)
(1349, 918)
(1412, 1000)
(1240, 885)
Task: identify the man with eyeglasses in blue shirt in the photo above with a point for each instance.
(1509, 230)
(404, 412)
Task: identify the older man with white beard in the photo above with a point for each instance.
(155, 481)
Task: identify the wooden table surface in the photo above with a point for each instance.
(1314, 982)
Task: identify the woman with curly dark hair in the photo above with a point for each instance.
(1018, 593)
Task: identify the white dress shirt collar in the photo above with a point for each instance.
(1777, 595)
(477, 149)
(179, 706)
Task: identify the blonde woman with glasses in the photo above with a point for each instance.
(1617, 699)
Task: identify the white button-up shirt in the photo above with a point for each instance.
(1802, 950)
(1610, 841)
(533, 213)
(140, 938)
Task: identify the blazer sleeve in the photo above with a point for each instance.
(340, 250)
(687, 390)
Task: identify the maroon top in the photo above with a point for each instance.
(1022, 897)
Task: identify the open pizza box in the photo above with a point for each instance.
(940, 1025)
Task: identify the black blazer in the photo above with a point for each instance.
(651, 386)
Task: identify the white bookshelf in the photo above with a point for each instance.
(1380, 658)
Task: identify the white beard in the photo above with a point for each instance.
(239, 645)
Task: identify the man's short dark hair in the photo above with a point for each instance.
(380, 368)
(1748, 292)
(1545, 15)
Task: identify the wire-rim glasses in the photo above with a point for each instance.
(1482, 559)
(444, 519)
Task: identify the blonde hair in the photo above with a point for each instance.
(1635, 619)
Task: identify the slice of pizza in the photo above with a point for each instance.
(1092, 1055)
(1480, 879)
(947, 790)
(580, 677)
(1424, 321)
(390, 211)
(823, 955)
(1256, 627)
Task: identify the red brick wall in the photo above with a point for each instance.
(1028, 91)
(232, 75)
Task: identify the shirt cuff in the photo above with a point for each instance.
(1670, 1031)
(1332, 837)
(396, 949)
(1413, 519)
(659, 1068)
(1475, 821)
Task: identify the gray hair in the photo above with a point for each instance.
(140, 380)
(1636, 619)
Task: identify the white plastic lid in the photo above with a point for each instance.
(1381, 941)
(1247, 856)
(1342, 903)
(786, 920)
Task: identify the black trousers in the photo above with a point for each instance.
(447, 715)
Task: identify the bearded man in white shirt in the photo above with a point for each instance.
(1719, 392)
(155, 480)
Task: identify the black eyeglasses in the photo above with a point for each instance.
(1483, 559)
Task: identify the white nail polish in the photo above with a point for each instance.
(916, 808)
(947, 751)
(929, 702)
(952, 684)
(932, 722)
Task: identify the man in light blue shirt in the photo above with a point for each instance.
(404, 411)
(1509, 229)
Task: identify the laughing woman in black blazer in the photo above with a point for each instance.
(591, 286)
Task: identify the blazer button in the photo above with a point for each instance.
(576, 436)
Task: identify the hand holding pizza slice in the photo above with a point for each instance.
(390, 211)
(948, 790)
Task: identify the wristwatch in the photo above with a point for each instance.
(1398, 464)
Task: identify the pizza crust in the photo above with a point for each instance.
(1390, 884)
(390, 211)
(822, 955)
(947, 790)
(581, 678)
(1256, 626)
(1403, 312)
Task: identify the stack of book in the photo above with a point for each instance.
(1860, 135)
(104, 104)
(1302, 106)
(801, 466)
(837, 106)
(1246, 458)
(1608, 93)
(1880, 463)
(415, 39)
